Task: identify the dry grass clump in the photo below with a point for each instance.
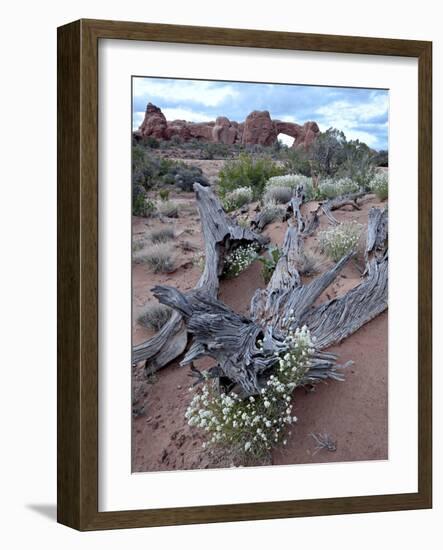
(308, 262)
(168, 209)
(154, 316)
(161, 234)
(159, 257)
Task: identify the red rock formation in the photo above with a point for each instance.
(154, 123)
(303, 135)
(258, 128)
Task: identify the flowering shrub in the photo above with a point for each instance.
(239, 259)
(340, 240)
(330, 187)
(253, 426)
(237, 198)
(379, 185)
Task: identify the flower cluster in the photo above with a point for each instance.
(254, 425)
(237, 198)
(379, 185)
(335, 187)
(239, 259)
(340, 240)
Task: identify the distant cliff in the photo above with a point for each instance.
(258, 128)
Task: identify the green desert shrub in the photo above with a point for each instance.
(296, 161)
(237, 198)
(330, 188)
(340, 240)
(269, 262)
(160, 257)
(161, 234)
(247, 171)
(168, 209)
(163, 194)
(185, 176)
(379, 185)
(141, 205)
(250, 428)
(154, 315)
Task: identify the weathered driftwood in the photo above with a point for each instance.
(350, 199)
(231, 339)
(221, 234)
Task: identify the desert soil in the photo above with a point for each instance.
(353, 413)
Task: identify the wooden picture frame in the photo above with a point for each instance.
(78, 274)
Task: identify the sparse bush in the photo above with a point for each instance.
(280, 195)
(338, 241)
(252, 427)
(159, 257)
(292, 181)
(150, 141)
(138, 244)
(185, 177)
(289, 180)
(163, 194)
(308, 263)
(141, 205)
(379, 185)
(168, 209)
(381, 158)
(296, 161)
(271, 211)
(154, 316)
(239, 259)
(212, 150)
(237, 198)
(247, 171)
(161, 234)
(269, 261)
(330, 188)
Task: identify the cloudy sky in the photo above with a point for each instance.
(361, 113)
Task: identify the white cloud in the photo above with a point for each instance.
(348, 117)
(137, 119)
(209, 94)
(176, 113)
(286, 140)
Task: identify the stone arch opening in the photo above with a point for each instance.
(285, 139)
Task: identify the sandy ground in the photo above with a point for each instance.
(353, 413)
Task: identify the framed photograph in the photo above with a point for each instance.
(244, 326)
